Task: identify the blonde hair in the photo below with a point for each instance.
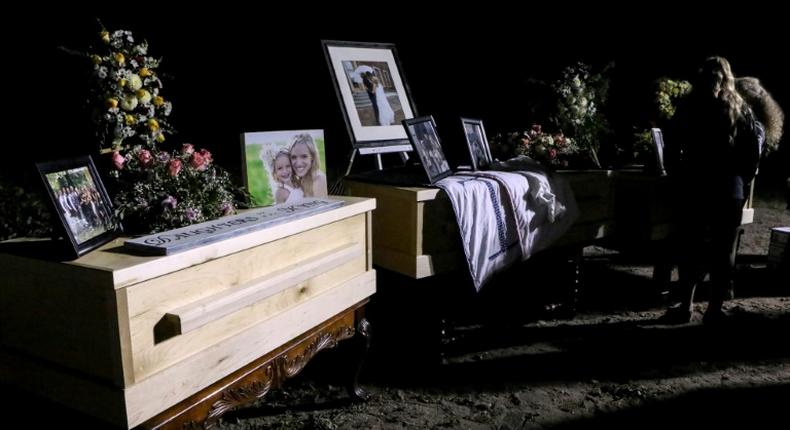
(306, 182)
(764, 107)
(716, 72)
(281, 153)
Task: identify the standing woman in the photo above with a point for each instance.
(713, 150)
(306, 166)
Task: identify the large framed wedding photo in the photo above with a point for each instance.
(476, 141)
(373, 94)
(425, 140)
(80, 202)
(284, 166)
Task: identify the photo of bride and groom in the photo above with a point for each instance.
(284, 166)
(375, 96)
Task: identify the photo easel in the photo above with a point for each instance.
(337, 188)
(377, 151)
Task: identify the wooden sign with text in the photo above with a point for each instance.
(169, 242)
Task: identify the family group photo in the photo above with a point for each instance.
(284, 166)
(80, 204)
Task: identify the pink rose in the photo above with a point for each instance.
(145, 157)
(174, 166)
(206, 156)
(118, 160)
(187, 148)
(198, 161)
(552, 153)
(559, 139)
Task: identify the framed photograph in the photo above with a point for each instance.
(477, 143)
(658, 148)
(80, 201)
(373, 95)
(425, 140)
(284, 166)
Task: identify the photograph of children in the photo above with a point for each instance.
(425, 140)
(479, 150)
(80, 204)
(284, 166)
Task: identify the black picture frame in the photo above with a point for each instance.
(426, 143)
(80, 201)
(360, 97)
(477, 143)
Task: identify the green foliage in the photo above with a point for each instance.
(668, 92)
(22, 213)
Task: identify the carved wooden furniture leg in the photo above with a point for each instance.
(362, 345)
(252, 382)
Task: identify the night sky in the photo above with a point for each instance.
(255, 70)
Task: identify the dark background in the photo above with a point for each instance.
(256, 69)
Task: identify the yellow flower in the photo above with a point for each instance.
(129, 119)
(153, 124)
(145, 72)
(160, 138)
(119, 58)
(135, 83)
(159, 101)
(105, 36)
(143, 96)
(111, 103)
(122, 82)
(96, 59)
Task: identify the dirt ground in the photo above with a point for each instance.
(609, 365)
(522, 367)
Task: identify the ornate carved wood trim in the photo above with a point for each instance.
(204, 409)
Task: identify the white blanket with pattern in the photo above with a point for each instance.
(507, 216)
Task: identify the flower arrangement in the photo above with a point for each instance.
(580, 95)
(152, 189)
(169, 190)
(550, 149)
(667, 94)
(126, 99)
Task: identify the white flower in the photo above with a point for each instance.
(129, 102)
(141, 49)
(134, 82)
(143, 97)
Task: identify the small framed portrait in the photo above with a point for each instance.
(423, 137)
(477, 143)
(80, 201)
(284, 166)
(373, 94)
(658, 149)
